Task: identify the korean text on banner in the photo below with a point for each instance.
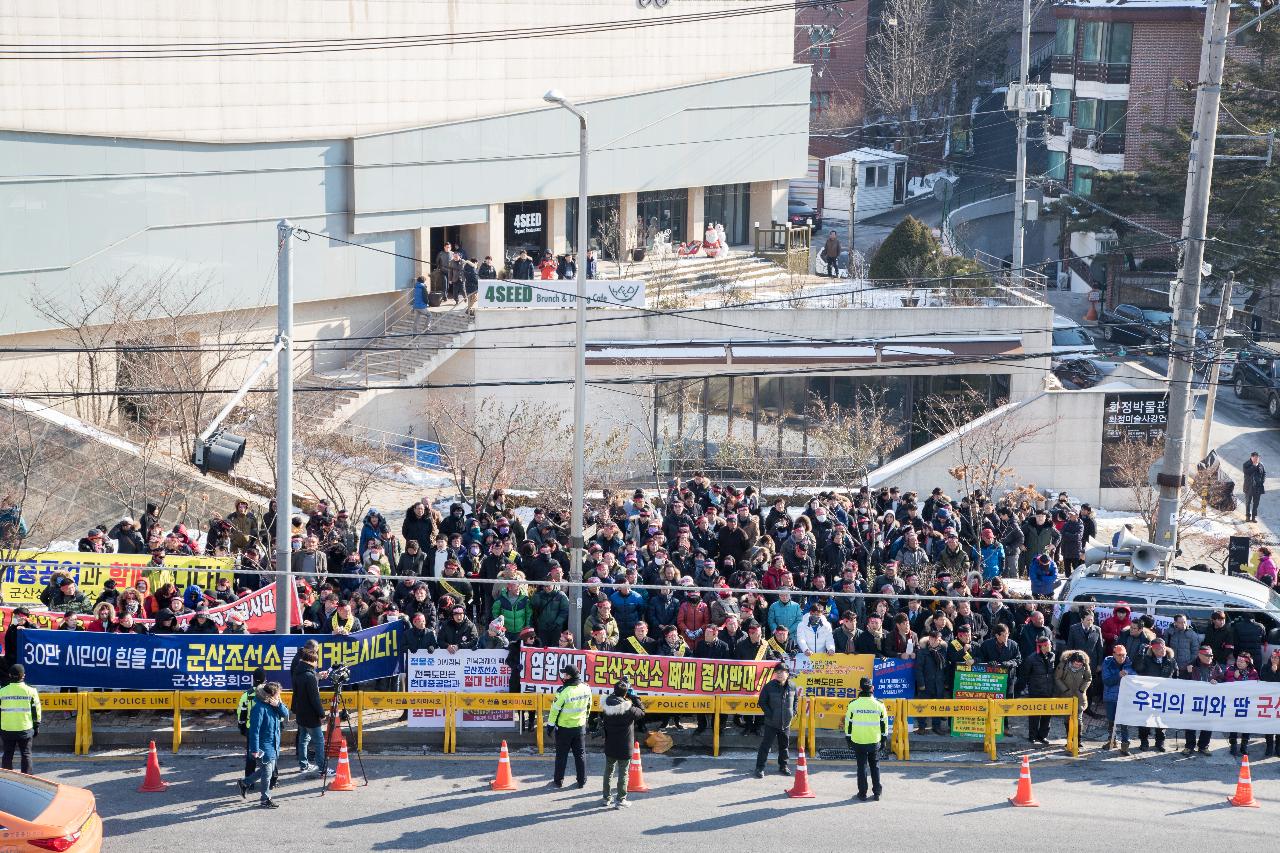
(655, 675)
(202, 662)
(1250, 707)
(894, 679)
(480, 671)
(22, 583)
(976, 682)
(832, 676)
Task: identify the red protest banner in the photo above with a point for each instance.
(657, 675)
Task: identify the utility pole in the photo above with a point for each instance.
(284, 426)
(1020, 185)
(1171, 476)
(1224, 314)
(853, 207)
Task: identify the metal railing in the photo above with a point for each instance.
(783, 238)
(401, 305)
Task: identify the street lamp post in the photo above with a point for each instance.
(577, 510)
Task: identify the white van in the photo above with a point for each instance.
(1195, 593)
(1070, 338)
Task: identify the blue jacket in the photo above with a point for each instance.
(1043, 577)
(1111, 677)
(265, 725)
(627, 609)
(419, 295)
(784, 614)
(992, 560)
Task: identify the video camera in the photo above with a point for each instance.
(339, 675)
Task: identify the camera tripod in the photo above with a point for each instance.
(338, 716)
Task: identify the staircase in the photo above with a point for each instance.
(395, 356)
(690, 276)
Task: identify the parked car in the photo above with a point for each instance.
(800, 213)
(1256, 375)
(1134, 325)
(39, 815)
(1078, 372)
(1070, 338)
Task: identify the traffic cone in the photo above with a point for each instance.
(334, 741)
(1244, 787)
(503, 781)
(635, 774)
(801, 788)
(152, 784)
(1024, 797)
(342, 779)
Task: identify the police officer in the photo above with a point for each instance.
(568, 717)
(866, 722)
(19, 718)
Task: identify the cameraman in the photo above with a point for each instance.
(309, 708)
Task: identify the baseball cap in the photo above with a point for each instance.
(569, 670)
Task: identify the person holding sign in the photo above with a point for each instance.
(866, 722)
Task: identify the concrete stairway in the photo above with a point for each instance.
(694, 275)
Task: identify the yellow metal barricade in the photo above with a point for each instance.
(379, 700)
(515, 702)
(138, 700)
(71, 703)
(737, 705)
(1059, 707)
(834, 709)
(953, 708)
(201, 700)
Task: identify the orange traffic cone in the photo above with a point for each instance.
(801, 788)
(342, 779)
(334, 741)
(635, 775)
(1024, 797)
(152, 784)
(1244, 787)
(503, 781)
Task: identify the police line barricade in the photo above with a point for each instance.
(218, 701)
(953, 708)
(534, 703)
(1061, 707)
(743, 706)
(382, 700)
(818, 706)
(136, 700)
(72, 703)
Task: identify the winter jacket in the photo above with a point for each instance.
(957, 561)
(1211, 674)
(1234, 674)
(1185, 645)
(1037, 673)
(787, 614)
(1255, 478)
(1247, 635)
(1164, 666)
(1073, 683)
(1072, 544)
(1136, 645)
(515, 610)
(992, 560)
(1111, 677)
(1113, 627)
(992, 652)
(1029, 635)
(522, 269)
(931, 670)
(265, 724)
(1043, 577)
(628, 610)
(1220, 640)
(463, 635)
(422, 530)
(1039, 538)
(692, 617)
(551, 613)
(778, 703)
(1089, 641)
(307, 705)
(618, 717)
(813, 639)
(661, 611)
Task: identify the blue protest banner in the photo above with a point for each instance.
(894, 679)
(204, 661)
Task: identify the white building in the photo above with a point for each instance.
(881, 177)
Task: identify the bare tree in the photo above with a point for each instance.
(983, 441)
(616, 239)
(24, 507)
(1131, 462)
(338, 466)
(847, 442)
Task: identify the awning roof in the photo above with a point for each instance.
(922, 350)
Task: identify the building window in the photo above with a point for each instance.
(821, 37)
(1061, 107)
(664, 210)
(875, 176)
(729, 204)
(1119, 41)
(602, 225)
(837, 176)
(819, 102)
(1057, 166)
(1113, 116)
(1087, 114)
(1064, 42)
(1082, 181)
(1091, 47)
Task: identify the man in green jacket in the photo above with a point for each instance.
(567, 719)
(19, 718)
(515, 610)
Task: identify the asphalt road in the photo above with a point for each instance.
(430, 802)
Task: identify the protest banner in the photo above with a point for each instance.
(22, 582)
(977, 681)
(202, 661)
(478, 671)
(832, 676)
(653, 675)
(894, 679)
(1249, 707)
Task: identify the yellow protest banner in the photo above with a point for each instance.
(23, 582)
(833, 677)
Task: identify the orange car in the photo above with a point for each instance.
(39, 815)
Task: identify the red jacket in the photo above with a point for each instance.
(773, 577)
(692, 618)
(1112, 627)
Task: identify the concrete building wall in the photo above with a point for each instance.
(346, 93)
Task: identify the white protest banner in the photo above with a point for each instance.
(556, 293)
(1252, 707)
(482, 671)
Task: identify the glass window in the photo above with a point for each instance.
(819, 101)
(1082, 181)
(882, 176)
(664, 210)
(1061, 107)
(1119, 41)
(1057, 166)
(602, 224)
(1087, 114)
(837, 176)
(730, 205)
(1064, 42)
(1113, 115)
(26, 798)
(869, 177)
(1091, 46)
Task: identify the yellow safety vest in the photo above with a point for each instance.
(569, 710)
(19, 707)
(865, 720)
